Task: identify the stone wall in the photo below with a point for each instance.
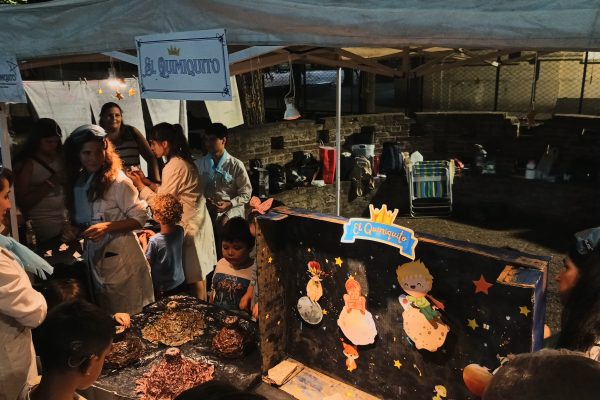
(276, 142)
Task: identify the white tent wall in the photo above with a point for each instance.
(229, 113)
(63, 27)
(171, 111)
(65, 102)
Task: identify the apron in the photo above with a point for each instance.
(119, 271)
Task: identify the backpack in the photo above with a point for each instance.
(361, 177)
(391, 159)
(277, 181)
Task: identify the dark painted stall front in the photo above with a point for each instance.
(486, 322)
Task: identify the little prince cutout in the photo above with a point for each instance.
(422, 320)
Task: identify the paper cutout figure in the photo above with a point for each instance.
(524, 310)
(355, 321)
(314, 289)
(422, 321)
(481, 285)
(476, 378)
(260, 207)
(472, 323)
(351, 354)
(309, 310)
(440, 392)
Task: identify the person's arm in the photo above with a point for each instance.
(126, 197)
(144, 149)
(246, 299)
(123, 319)
(243, 185)
(17, 298)
(26, 196)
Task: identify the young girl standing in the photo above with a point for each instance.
(105, 210)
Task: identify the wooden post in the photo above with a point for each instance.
(367, 92)
(582, 94)
(251, 88)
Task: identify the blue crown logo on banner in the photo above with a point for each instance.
(380, 228)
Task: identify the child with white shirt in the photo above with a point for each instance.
(235, 275)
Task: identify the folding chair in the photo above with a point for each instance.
(430, 186)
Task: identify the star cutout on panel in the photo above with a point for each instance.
(338, 261)
(482, 285)
(524, 310)
(472, 324)
(270, 260)
(397, 364)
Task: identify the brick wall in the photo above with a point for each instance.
(304, 135)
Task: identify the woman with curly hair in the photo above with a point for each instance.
(105, 210)
(180, 178)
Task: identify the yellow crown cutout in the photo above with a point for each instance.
(382, 215)
(173, 51)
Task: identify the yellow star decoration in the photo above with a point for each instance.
(267, 316)
(338, 261)
(472, 324)
(524, 310)
(270, 260)
(325, 312)
(397, 364)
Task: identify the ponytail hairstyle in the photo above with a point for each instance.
(173, 134)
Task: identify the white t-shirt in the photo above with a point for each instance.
(230, 284)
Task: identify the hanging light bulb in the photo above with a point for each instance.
(114, 82)
(291, 112)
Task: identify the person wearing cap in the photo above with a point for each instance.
(579, 289)
(39, 180)
(105, 210)
(225, 180)
(21, 309)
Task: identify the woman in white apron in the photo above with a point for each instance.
(180, 178)
(21, 308)
(105, 210)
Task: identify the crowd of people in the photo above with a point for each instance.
(91, 189)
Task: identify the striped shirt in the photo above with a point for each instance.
(128, 149)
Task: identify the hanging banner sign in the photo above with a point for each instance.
(11, 85)
(380, 228)
(184, 66)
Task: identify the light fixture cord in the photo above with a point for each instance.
(292, 90)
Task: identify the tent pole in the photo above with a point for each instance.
(7, 163)
(338, 147)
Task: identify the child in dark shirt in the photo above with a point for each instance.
(165, 249)
(235, 275)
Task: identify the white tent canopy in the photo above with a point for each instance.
(66, 27)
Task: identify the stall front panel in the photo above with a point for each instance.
(483, 304)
